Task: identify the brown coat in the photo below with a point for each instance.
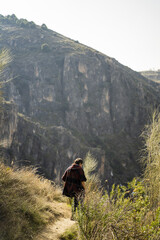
(73, 177)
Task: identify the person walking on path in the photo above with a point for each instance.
(74, 187)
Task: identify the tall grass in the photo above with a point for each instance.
(125, 213)
(90, 167)
(151, 160)
(26, 203)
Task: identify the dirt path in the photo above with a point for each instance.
(53, 231)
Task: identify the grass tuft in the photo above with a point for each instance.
(70, 234)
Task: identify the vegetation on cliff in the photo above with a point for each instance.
(14, 20)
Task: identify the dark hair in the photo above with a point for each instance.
(78, 161)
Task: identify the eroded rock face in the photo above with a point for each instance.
(71, 99)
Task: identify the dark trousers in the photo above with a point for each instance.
(76, 203)
(78, 199)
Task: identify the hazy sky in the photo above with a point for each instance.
(127, 30)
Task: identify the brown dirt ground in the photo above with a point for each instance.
(56, 229)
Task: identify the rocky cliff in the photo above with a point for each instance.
(65, 99)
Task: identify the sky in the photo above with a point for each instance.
(127, 30)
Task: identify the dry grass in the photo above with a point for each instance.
(28, 202)
(127, 212)
(37, 184)
(118, 215)
(151, 160)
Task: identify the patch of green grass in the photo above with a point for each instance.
(70, 234)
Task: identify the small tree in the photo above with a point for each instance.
(32, 24)
(44, 27)
(45, 47)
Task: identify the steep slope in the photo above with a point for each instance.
(69, 99)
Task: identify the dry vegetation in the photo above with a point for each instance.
(127, 212)
(28, 202)
(152, 161)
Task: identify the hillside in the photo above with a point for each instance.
(63, 99)
(27, 209)
(152, 75)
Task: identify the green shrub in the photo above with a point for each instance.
(70, 234)
(122, 214)
(12, 18)
(31, 24)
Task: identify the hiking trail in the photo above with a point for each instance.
(57, 228)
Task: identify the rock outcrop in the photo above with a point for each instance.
(152, 75)
(70, 99)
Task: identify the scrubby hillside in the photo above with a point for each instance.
(28, 203)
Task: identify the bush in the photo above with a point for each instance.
(45, 47)
(23, 23)
(123, 214)
(32, 24)
(12, 18)
(44, 27)
(70, 234)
